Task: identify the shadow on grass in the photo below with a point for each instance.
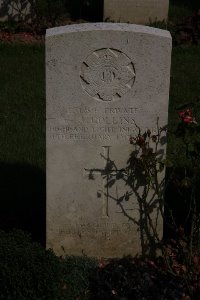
(23, 194)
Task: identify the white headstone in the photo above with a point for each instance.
(136, 11)
(101, 80)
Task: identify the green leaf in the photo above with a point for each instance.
(186, 182)
(191, 147)
(168, 163)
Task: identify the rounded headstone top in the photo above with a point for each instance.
(107, 26)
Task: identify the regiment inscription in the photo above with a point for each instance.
(105, 83)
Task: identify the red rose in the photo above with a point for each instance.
(187, 116)
(140, 140)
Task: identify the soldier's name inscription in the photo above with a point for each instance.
(89, 123)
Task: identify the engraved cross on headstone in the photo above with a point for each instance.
(108, 172)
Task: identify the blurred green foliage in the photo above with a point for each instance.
(28, 271)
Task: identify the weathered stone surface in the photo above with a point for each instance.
(101, 80)
(136, 11)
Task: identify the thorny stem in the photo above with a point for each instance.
(149, 165)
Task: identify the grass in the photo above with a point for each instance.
(184, 83)
(184, 75)
(22, 133)
(22, 95)
(179, 9)
(22, 98)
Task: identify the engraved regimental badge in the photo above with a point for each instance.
(107, 74)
